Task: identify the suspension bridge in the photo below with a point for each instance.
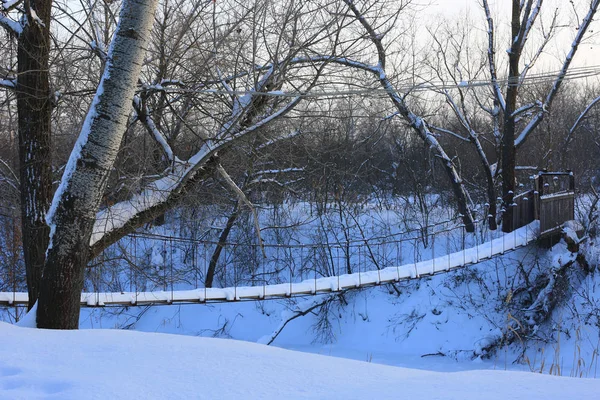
(349, 264)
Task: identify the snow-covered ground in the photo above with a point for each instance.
(114, 364)
(439, 324)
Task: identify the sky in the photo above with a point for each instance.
(588, 55)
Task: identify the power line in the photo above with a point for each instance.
(533, 79)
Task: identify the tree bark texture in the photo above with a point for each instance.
(212, 267)
(34, 121)
(78, 197)
(508, 137)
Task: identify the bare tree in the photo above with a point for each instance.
(80, 229)
(523, 19)
(456, 61)
(419, 125)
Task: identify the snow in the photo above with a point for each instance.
(35, 18)
(160, 190)
(29, 320)
(443, 323)
(557, 195)
(119, 214)
(8, 4)
(100, 364)
(10, 24)
(8, 83)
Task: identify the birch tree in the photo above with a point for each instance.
(78, 197)
(247, 86)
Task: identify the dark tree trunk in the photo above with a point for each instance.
(460, 196)
(212, 266)
(491, 192)
(34, 116)
(508, 137)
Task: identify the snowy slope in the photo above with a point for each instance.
(100, 364)
(437, 323)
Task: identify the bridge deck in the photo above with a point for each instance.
(507, 242)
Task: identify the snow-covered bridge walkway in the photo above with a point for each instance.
(459, 259)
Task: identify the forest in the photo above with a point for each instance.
(161, 146)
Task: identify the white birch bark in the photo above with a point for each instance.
(78, 197)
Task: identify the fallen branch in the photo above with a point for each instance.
(300, 312)
(549, 290)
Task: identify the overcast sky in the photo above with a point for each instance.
(589, 53)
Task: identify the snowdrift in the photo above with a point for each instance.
(101, 364)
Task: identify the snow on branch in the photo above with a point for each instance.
(491, 57)
(374, 36)
(98, 44)
(32, 16)
(162, 86)
(461, 117)
(529, 18)
(525, 108)
(165, 189)
(243, 199)
(279, 139)
(119, 214)
(10, 25)
(9, 5)
(583, 115)
(449, 132)
(546, 39)
(144, 116)
(8, 83)
(416, 122)
(278, 171)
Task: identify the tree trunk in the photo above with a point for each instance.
(78, 197)
(491, 188)
(508, 137)
(422, 129)
(34, 115)
(212, 266)
(491, 192)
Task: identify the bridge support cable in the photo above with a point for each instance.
(386, 271)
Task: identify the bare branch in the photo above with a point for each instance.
(581, 118)
(491, 57)
(123, 217)
(243, 199)
(374, 36)
(540, 50)
(13, 180)
(11, 26)
(537, 119)
(446, 131)
(144, 117)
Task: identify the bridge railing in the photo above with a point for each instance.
(184, 262)
(524, 209)
(447, 251)
(556, 197)
(552, 201)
